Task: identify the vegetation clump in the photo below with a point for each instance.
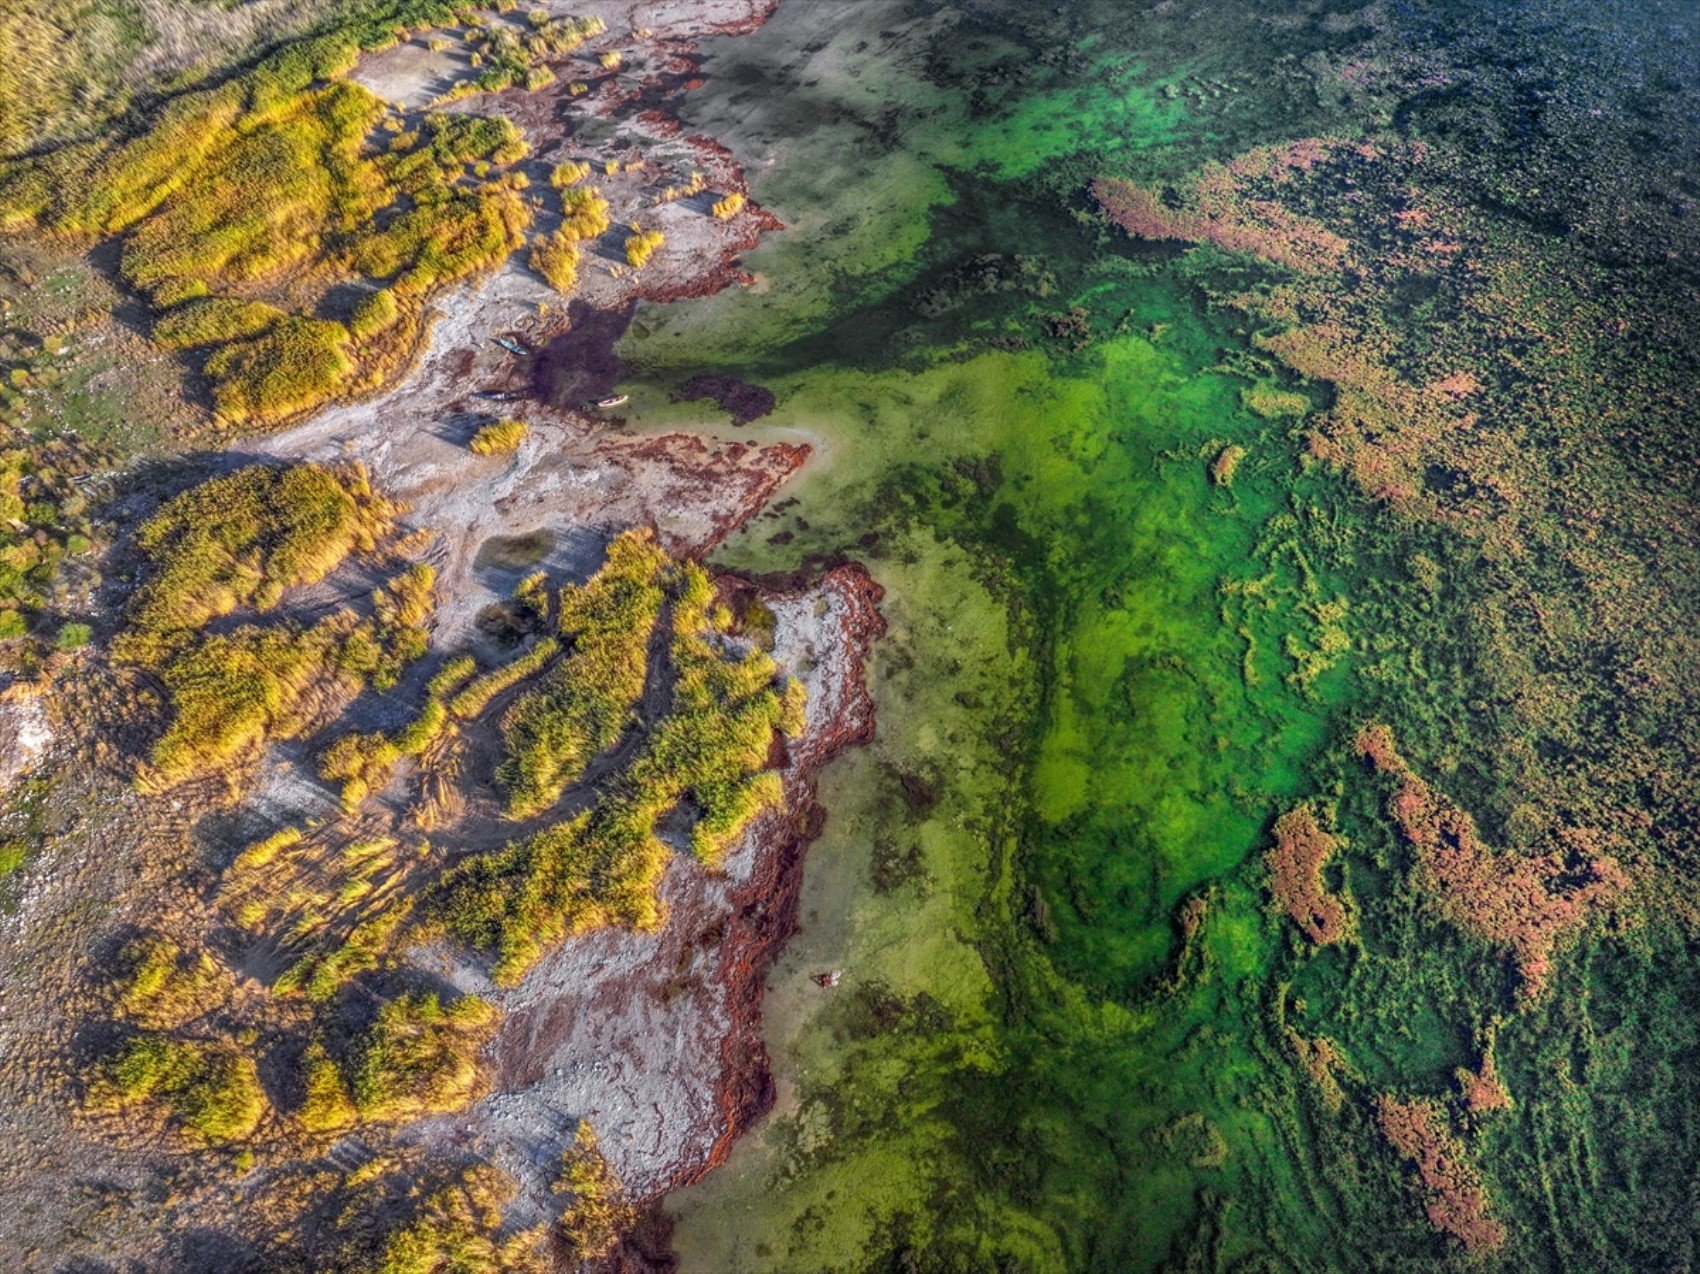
(1302, 849)
(420, 1055)
(555, 258)
(476, 695)
(267, 183)
(584, 213)
(498, 438)
(1456, 1203)
(641, 245)
(1226, 465)
(729, 206)
(164, 986)
(598, 1213)
(42, 522)
(241, 541)
(584, 702)
(568, 173)
(1529, 904)
(459, 1228)
(208, 1088)
(708, 755)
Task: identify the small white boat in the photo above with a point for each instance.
(615, 401)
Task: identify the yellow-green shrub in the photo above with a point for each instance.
(569, 173)
(164, 986)
(586, 700)
(555, 259)
(473, 700)
(584, 213)
(295, 364)
(328, 1107)
(241, 540)
(214, 320)
(459, 1228)
(267, 182)
(420, 1055)
(211, 1090)
(373, 313)
(599, 1213)
(497, 438)
(641, 245)
(603, 866)
(729, 207)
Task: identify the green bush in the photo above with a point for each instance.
(241, 540)
(267, 183)
(599, 1213)
(586, 700)
(296, 364)
(420, 1055)
(476, 696)
(569, 173)
(214, 321)
(373, 313)
(584, 213)
(73, 637)
(164, 986)
(459, 1229)
(211, 1090)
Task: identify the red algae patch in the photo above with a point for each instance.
(1457, 1203)
(1302, 850)
(1530, 904)
(1217, 216)
(1323, 1062)
(1483, 1090)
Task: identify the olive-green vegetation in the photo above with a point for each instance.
(508, 56)
(708, 751)
(239, 542)
(497, 438)
(420, 1055)
(209, 1088)
(476, 696)
(327, 1106)
(163, 986)
(583, 703)
(335, 903)
(71, 71)
(268, 181)
(568, 173)
(42, 521)
(598, 1213)
(584, 213)
(459, 1229)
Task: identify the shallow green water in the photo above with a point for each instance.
(1105, 675)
